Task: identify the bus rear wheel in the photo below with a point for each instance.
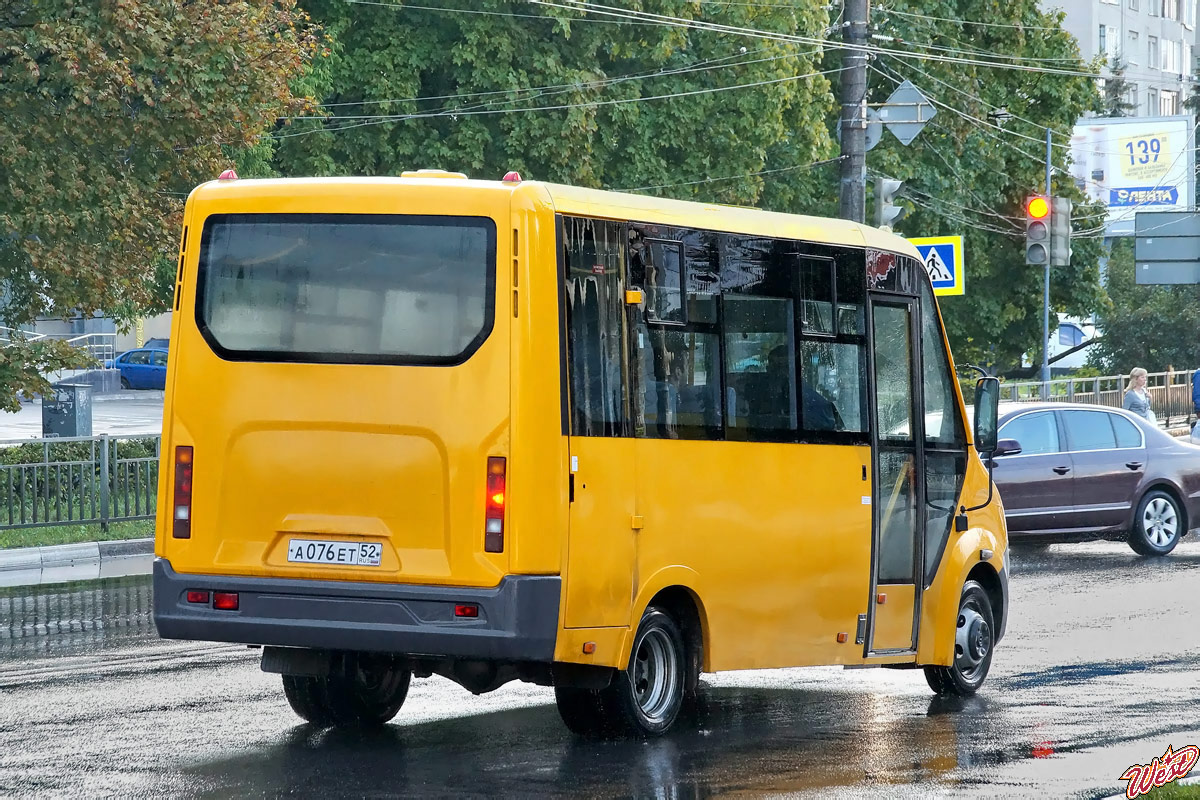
(974, 641)
(642, 700)
(366, 691)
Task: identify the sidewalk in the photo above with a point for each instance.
(29, 566)
(124, 413)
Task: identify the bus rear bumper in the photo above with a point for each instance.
(517, 620)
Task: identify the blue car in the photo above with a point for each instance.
(143, 368)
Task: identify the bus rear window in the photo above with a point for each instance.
(346, 288)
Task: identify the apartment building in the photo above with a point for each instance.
(1155, 38)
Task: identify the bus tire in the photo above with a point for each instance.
(974, 642)
(582, 710)
(368, 691)
(645, 699)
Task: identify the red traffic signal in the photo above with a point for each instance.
(1037, 207)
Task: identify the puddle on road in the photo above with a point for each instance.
(56, 619)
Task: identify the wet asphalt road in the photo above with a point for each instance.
(1099, 670)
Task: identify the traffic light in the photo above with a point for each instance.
(1037, 230)
(886, 210)
(1060, 232)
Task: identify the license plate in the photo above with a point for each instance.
(315, 551)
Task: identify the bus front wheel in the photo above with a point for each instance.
(365, 691)
(642, 700)
(974, 640)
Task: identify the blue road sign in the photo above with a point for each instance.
(943, 257)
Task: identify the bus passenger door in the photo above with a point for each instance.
(894, 605)
(601, 544)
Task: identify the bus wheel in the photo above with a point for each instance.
(369, 690)
(973, 645)
(645, 699)
(582, 710)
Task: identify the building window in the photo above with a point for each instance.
(1171, 56)
(1133, 95)
(1152, 102)
(1168, 103)
(1131, 51)
(1133, 5)
(1155, 7)
(1152, 58)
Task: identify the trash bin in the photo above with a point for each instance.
(67, 410)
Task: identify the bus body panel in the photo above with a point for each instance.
(539, 478)
(342, 452)
(964, 553)
(778, 536)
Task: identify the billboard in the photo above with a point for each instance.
(1133, 164)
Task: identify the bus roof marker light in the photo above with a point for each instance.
(512, 177)
(227, 175)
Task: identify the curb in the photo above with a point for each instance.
(23, 559)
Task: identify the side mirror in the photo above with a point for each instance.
(1007, 447)
(987, 411)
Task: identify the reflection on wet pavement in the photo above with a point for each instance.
(64, 617)
(1098, 671)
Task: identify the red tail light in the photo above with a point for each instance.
(466, 610)
(197, 596)
(493, 526)
(183, 493)
(225, 601)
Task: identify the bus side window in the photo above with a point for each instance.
(594, 261)
(833, 372)
(676, 372)
(758, 312)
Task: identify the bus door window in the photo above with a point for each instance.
(945, 435)
(594, 261)
(896, 492)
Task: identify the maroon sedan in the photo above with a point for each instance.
(1069, 472)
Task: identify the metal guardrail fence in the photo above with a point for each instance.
(97, 479)
(1170, 393)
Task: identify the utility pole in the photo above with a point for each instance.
(853, 190)
(1046, 288)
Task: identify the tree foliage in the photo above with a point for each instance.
(1153, 327)
(1116, 92)
(623, 105)
(110, 112)
(969, 174)
(408, 88)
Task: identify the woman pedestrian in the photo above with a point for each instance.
(1137, 399)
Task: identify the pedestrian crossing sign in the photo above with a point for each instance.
(943, 257)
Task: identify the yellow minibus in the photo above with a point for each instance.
(509, 430)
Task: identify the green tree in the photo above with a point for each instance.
(564, 98)
(1146, 326)
(109, 114)
(1116, 92)
(970, 169)
(598, 101)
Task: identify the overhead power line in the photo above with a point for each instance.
(454, 113)
(736, 177)
(628, 14)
